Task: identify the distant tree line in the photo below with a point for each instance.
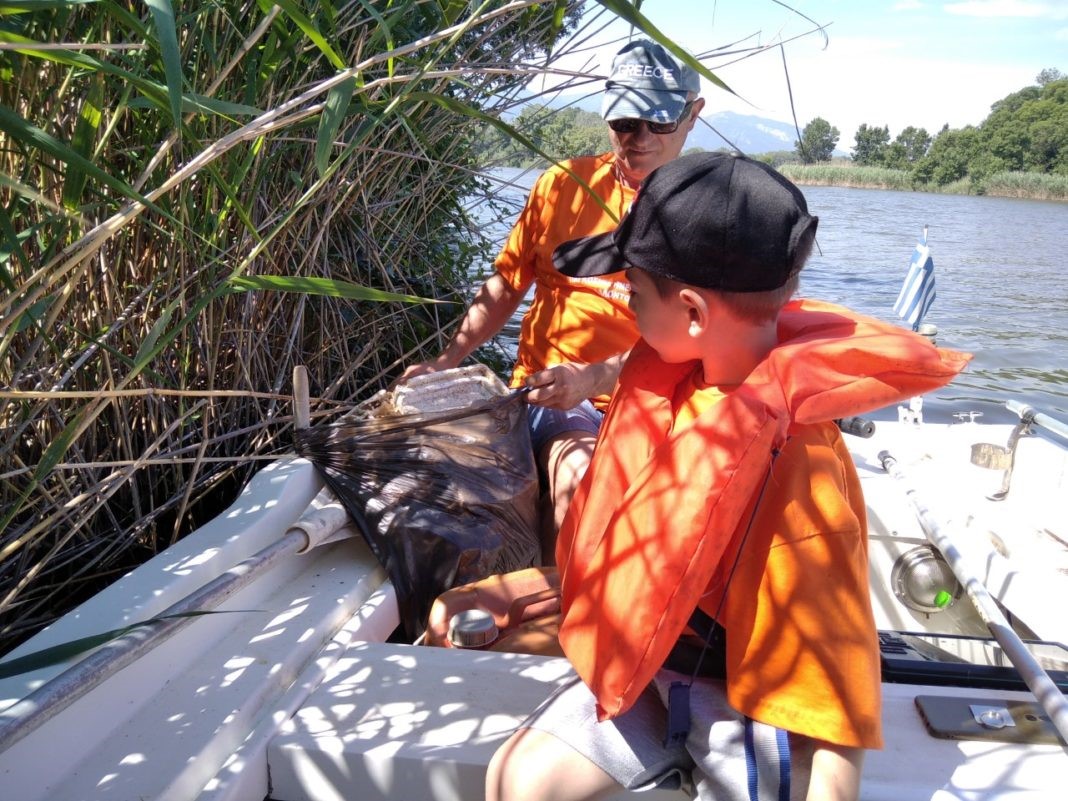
(1027, 131)
(873, 148)
(562, 133)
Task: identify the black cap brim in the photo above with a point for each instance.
(589, 256)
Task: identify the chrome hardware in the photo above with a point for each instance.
(992, 717)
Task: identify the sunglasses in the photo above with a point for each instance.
(631, 125)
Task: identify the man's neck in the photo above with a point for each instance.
(625, 179)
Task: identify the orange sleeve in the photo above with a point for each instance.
(517, 259)
(802, 650)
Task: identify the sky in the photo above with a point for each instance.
(895, 63)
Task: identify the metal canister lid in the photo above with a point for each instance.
(473, 628)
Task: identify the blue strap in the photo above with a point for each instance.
(767, 762)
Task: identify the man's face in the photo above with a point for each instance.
(641, 152)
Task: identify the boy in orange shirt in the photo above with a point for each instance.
(720, 500)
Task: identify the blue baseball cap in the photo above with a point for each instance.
(647, 83)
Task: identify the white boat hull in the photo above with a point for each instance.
(292, 692)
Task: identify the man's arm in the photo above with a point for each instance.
(835, 772)
(494, 303)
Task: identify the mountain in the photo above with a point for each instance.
(749, 134)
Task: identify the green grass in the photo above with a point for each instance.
(847, 175)
(1035, 186)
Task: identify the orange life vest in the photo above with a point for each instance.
(649, 524)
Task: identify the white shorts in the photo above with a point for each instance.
(725, 756)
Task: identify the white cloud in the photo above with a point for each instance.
(1003, 8)
(776, 133)
(853, 82)
(878, 74)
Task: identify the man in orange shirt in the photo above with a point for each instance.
(577, 331)
(720, 500)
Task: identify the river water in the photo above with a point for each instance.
(1000, 270)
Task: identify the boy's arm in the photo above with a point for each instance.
(835, 772)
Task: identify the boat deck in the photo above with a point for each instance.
(1018, 546)
(396, 721)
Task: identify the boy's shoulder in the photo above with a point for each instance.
(810, 446)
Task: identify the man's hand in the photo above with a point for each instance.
(565, 386)
(494, 303)
(562, 386)
(422, 368)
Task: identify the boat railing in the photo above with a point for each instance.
(325, 520)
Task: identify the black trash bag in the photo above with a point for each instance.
(441, 498)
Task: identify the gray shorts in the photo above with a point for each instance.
(547, 423)
(725, 756)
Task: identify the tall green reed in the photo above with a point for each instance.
(196, 199)
(166, 171)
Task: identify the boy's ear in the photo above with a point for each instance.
(697, 309)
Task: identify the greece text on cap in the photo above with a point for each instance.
(644, 71)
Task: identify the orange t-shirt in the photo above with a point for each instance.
(670, 497)
(583, 320)
(802, 652)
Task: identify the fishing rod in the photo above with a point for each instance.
(1030, 415)
(1033, 674)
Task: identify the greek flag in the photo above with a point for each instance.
(918, 292)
